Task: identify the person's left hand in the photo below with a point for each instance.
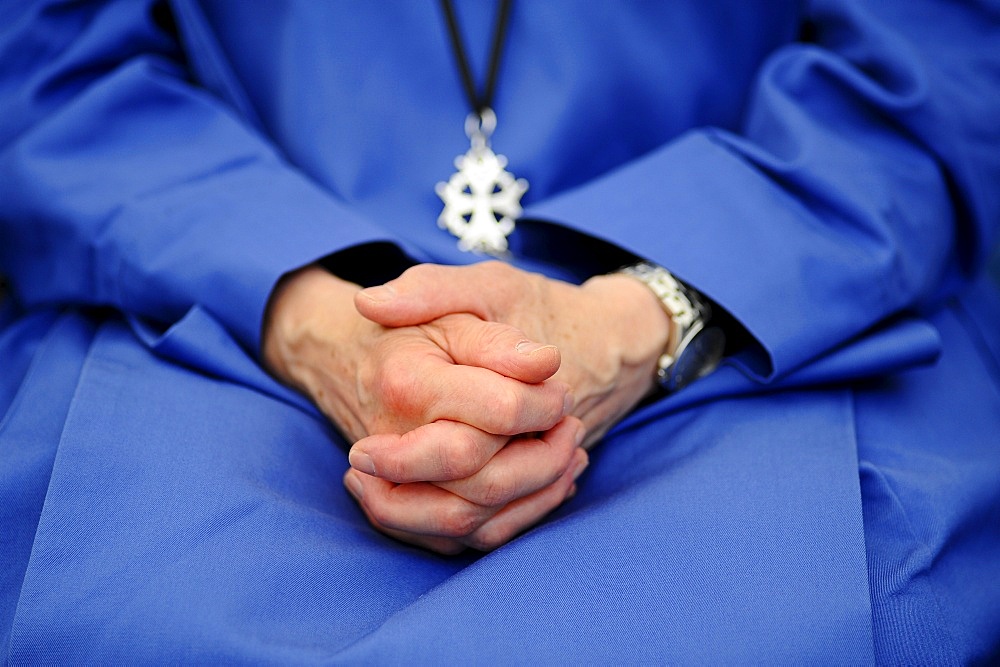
(610, 333)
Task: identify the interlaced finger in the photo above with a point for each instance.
(439, 451)
(524, 466)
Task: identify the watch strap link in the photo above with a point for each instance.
(692, 338)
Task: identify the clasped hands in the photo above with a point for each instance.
(470, 393)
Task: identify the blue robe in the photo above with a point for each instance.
(828, 172)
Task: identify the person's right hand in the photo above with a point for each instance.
(452, 395)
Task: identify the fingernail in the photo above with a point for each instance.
(580, 467)
(354, 485)
(568, 402)
(360, 460)
(580, 434)
(529, 346)
(379, 293)
(572, 492)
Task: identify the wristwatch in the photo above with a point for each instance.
(695, 348)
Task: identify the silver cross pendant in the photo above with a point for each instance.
(482, 199)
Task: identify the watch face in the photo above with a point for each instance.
(699, 358)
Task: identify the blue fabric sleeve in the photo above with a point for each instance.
(123, 185)
(861, 184)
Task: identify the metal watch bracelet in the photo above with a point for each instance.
(695, 348)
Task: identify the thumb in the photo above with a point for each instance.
(497, 347)
(421, 294)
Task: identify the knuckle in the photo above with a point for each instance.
(458, 520)
(498, 489)
(448, 547)
(507, 409)
(417, 272)
(488, 337)
(488, 538)
(378, 514)
(566, 447)
(458, 456)
(394, 385)
(504, 278)
(552, 407)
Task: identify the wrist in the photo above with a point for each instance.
(302, 303)
(313, 342)
(697, 346)
(641, 329)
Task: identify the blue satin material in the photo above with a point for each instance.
(830, 494)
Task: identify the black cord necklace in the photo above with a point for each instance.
(476, 101)
(482, 199)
